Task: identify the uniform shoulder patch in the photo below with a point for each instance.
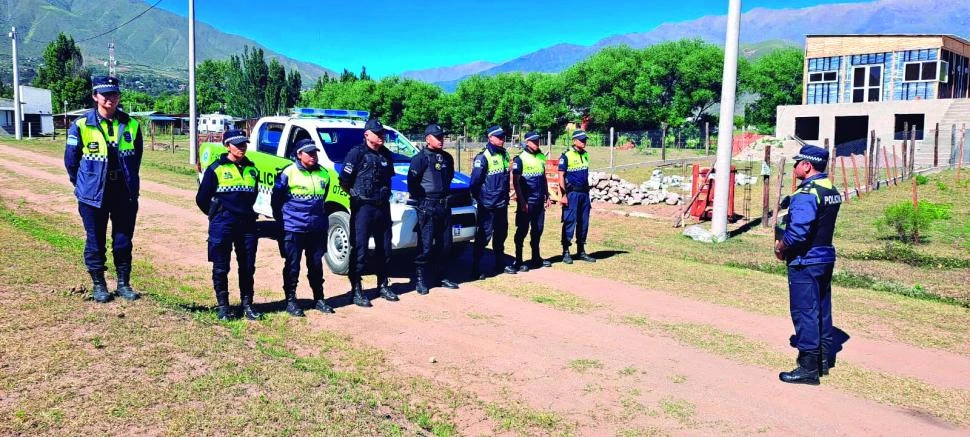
(128, 136)
(478, 163)
(71, 140)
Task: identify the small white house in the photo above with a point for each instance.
(215, 122)
(38, 114)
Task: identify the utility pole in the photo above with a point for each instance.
(17, 110)
(722, 167)
(112, 63)
(193, 134)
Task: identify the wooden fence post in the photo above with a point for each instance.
(831, 166)
(915, 212)
(707, 138)
(912, 150)
(765, 192)
(855, 172)
(845, 179)
(781, 184)
(885, 162)
(867, 158)
(963, 139)
(897, 171)
(936, 146)
(876, 182)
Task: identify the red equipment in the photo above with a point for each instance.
(703, 206)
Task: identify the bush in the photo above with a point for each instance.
(909, 222)
(940, 186)
(921, 180)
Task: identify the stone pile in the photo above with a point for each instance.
(612, 189)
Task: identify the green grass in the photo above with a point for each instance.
(585, 365)
(679, 409)
(540, 294)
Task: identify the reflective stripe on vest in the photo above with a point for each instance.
(496, 163)
(306, 184)
(232, 180)
(576, 161)
(95, 147)
(533, 165)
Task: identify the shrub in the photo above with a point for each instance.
(940, 186)
(908, 222)
(921, 180)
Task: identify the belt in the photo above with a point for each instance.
(115, 175)
(431, 201)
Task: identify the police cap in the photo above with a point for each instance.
(105, 84)
(580, 135)
(306, 145)
(818, 156)
(374, 125)
(496, 131)
(434, 130)
(532, 136)
(235, 137)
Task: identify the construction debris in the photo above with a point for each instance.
(612, 189)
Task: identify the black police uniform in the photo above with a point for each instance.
(103, 158)
(575, 213)
(429, 185)
(227, 193)
(490, 187)
(366, 175)
(806, 234)
(531, 193)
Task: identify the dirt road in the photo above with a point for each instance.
(604, 375)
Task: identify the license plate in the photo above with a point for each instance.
(456, 230)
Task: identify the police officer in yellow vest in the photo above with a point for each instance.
(532, 195)
(102, 157)
(299, 199)
(227, 194)
(490, 187)
(574, 181)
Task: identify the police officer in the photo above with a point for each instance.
(429, 185)
(227, 194)
(298, 201)
(102, 157)
(532, 195)
(490, 186)
(367, 173)
(574, 181)
(805, 244)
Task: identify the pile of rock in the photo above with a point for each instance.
(612, 189)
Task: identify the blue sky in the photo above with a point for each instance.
(393, 36)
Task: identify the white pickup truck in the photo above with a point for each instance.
(336, 131)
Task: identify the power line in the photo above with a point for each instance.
(122, 24)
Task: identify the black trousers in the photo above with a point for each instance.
(369, 219)
(529, 222)
(121, 211)
(226, 233)
(295, 245)
(493, 224)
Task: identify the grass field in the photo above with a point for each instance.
(71, 364)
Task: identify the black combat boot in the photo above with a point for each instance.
(99, 289)
(419, 284)
(537, 260)
(806, 372)
(292, 307)
(319, 303)
(360, 299)
(445, 281)
(824, 362)
(476, 268)
(519, 265)
(223, 312)
(247, 308)
(385, 290)
(566, 259)
(124, 289)
(581, 254)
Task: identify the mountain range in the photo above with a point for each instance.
(778, 26)
(156, 42)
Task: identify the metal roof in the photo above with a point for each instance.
(850, 35)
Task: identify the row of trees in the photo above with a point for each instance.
(674, 84)
(670, 84)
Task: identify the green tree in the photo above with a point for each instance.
(211, 78)
(136, 101)
(347, 76)
(275, 93)
(606, 86)
(173, 104)
(63, 73)
(363, 74)
(6, 91)
(777, 80)
(294, 87)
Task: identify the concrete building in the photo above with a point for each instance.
(855, 84)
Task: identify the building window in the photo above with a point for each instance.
(909, 121)
(807, 128)
(823, 77)
(926, 71)
(867, 83)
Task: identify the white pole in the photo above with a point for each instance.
(722, 174)
(17, 110)
(612, 145)
(193, 134)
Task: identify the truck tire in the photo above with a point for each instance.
(338, 243)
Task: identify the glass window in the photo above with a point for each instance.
(873, 94)
(912, 72)
(858, 95)
(269, 137)
(929, 71)
(875, 76)
(815, 77)
(859, 76)
(830, 76)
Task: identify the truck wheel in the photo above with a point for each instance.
(338, 243)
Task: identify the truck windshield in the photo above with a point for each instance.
(338, 141)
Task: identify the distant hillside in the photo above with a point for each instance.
(765, 29)
(155, 43)
(443, 74)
